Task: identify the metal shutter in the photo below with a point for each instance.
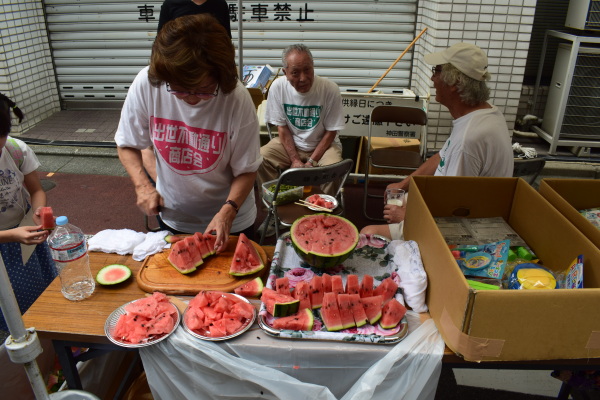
(99, 46)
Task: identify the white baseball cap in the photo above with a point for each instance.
(467, 58)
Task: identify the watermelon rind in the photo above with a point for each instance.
(251, 288)
(104, 277)
(321, 259)
(301, 321)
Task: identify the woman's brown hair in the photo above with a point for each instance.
(191, 50)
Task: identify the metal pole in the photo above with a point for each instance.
(23, 346)
(26, 347)
(240, 40)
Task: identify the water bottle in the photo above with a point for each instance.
(69, 250)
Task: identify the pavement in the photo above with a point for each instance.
(84, 180)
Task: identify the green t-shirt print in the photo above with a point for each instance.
(303, 117)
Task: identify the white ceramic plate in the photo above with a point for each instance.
(247, 324)
(327, 198)
(111, 322)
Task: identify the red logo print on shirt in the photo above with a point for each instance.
(186, 149)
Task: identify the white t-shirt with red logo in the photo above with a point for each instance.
(308, 115)
(199, 149)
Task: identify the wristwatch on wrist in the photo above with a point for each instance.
(312, 162)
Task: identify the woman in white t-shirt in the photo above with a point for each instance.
(190, 106)
(21, 196)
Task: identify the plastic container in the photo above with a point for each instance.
(69, 250)
(283, 197)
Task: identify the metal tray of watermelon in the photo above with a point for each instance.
(246, 325)
(113, 318)
(370, 257)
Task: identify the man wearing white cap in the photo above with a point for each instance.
(479, 144)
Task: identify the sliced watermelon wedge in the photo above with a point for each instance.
(47, 217)
(246, 260)
(252, 288)
(180, 258)
(301, 321)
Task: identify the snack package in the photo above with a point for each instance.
(572, 277)
(532, 276)
(485, 260)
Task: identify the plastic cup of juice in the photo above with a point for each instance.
(395, 196)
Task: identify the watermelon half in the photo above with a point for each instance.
(113, 274)
(323, 240)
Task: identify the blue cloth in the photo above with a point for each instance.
(29, 281)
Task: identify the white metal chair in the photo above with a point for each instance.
(393, 157)
(286, 214)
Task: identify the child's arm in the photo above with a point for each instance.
(29, 234)
(38, 196)
(24, 234)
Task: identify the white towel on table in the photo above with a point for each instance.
(413, 279)
(127, 241)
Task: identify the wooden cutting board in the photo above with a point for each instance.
(157, 274)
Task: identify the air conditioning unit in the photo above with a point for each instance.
(583, 14)
(580, 99)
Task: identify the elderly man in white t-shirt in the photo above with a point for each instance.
(479, 144)
(307, 110)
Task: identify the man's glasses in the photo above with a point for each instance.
(436, 69)
(199, 95)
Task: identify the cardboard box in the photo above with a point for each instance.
(569, 196)
(379, 143)
(505, 325)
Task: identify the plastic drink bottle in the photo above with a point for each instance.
(69, 250)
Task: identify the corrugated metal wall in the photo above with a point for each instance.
(99, 46)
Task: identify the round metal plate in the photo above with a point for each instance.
(327, 198)
(111, 322)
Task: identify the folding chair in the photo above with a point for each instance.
(286, 214)
(392, 157)
(529, 168)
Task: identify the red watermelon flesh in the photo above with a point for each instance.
(202, 244)
(330, 313)
(162, 324)
(302, 293)
(372, 306)
(358, 312)
(326, 283)
(387, 289)
(251, 288)
(47, 217)
(366, 286)
(194, 250)
(282, 285)
(345, 310)
(246, 260)
(180, 258)
(323, 240)
(301, 321)
(392, 313)
(316, 292)
(217, 314)
(145, 307)
(337, 284)
(352, 285)
(145, 318)
(211, 240)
